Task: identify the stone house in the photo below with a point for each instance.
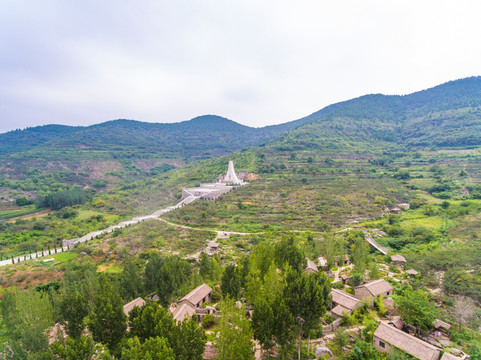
(322, 263)
(342, 302)
(311, 267)
(441, 329)
(129, 306)
(181, 311)
(345, 279)
(191, 304)
(412, 272)
(387, 337)
(373, 289)
(197, 297)
(342, 261)
(398, 261)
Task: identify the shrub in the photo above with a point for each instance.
(379, 306)
(208, 321)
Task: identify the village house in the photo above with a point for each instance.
(412, 272)
(387, 337)
(129, 306)
(322, 263)
(342, 303)
(342, 261)
(191, 304)
(373, 289)
(345, 279)
(311, 267)
(440, 329)
(397, 322)
(389, 305)
(398, 261)
(198, 296)
(181, 311)
(448, 356)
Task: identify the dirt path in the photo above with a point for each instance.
(220, 233)
(28, 216)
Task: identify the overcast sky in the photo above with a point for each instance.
(255, 62)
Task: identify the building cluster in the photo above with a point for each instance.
(390, 333)
(190, 305)
(211, 191)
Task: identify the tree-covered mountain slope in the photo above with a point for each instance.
(201, 137)
(354, 131)
(447, 115)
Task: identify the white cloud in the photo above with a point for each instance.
(255, 62)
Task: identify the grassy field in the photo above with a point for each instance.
(109, 268)
(20, 211)
(65, 256)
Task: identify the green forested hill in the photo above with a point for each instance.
(118, 150)
(448, 115)
(203, 136)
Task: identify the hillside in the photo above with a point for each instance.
(444, 116)
(201, 137)
(353, 160)
(53, 157)
(406, 169)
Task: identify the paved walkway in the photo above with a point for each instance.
(373, 243)
(69, 244)
(35, 255)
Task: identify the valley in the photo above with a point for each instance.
(406, 170)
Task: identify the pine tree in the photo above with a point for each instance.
(235, 333)
(108, 322)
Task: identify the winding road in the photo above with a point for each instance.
(69, 244)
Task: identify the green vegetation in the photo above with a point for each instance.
(348, 169)
(65, 256)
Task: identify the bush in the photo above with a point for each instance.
(342, 338)
(379, 306)
(23, 201)
(208, 321)
(356, 280)
(328, 319)
(338, 285)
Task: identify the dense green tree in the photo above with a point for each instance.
(262, 257)
(130, 282)
(272, 321)
(73, 310)
(243, 268)
(107, 321)
(286, 251)
(191, 341)
(82, 348)
(230, 282)
(334, 248)
(60, 199)
(235, 333)
(263, 323)
(28, 315)
(156, 348)
(166, 276)
(186, 339)
(364, 350)
(307, 298)
(151, 321)
(151, 272)
(206, 266)
(360, 255)
(416, 309)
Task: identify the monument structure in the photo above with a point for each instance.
(231, 177)
(212, 191)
